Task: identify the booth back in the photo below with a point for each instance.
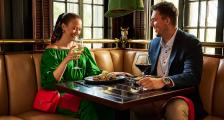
(212, 86)
(20, 78)
(20, 75)
(3, 88)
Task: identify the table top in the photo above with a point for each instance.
(121, 96)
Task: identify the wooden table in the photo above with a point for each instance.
(121, 96)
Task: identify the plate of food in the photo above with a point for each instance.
(104, 78)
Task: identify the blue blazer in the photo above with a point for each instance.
(186, 60)
(185, 64)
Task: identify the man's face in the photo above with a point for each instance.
(158, 23)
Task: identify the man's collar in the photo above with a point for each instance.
(170, 42)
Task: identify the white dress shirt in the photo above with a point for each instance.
(164, 57)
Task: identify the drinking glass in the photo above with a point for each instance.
(143, 62)
(80, 47)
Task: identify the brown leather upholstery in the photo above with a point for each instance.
(37, 59)
(35, 115)
(128, 60)
(21, 82)
(104, 60)
(213, 118)
(3, 88)
(10, 118)
(212, 87)
(218, 102)
(118, 60)
(21, 78)
(210, 66)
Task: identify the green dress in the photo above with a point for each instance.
(51, 59)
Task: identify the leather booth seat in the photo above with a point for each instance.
(212, 87)
(20, 81)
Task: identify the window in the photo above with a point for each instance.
(200, 19)
(91, 11)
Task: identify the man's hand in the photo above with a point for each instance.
(151, 83)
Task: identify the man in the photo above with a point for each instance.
(176, 57)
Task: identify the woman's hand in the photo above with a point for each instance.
(73, 54)
(122, 73)
(151, 83)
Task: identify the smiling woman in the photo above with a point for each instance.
(57, 67)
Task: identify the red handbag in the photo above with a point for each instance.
(69, 102)
(46, 100)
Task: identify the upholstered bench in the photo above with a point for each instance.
(20, 80)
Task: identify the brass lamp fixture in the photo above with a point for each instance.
(118, 8)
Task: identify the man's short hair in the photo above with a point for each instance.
(167, 9)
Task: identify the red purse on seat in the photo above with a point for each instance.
(69, 102)
(46, 100)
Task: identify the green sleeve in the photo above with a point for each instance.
(91, 67)
(48, 64)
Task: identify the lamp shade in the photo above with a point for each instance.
(117, 8)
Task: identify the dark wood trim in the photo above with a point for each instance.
(42, 18)
(51, 17)
(106, 20)
(34, 15)
(2, 21)
(42, 12)
(40, 44)
(18, 19)
(199, 15)
(213, 44)
(195, 27)
(5, 19)
(215, 55)
(220, 22)
(181, 14)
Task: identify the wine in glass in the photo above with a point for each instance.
(143, 63)
(80, 47)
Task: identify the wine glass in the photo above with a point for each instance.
(80, 47)
(143, 63)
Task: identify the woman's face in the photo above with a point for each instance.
(73, 28)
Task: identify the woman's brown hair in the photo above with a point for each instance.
(62, 18)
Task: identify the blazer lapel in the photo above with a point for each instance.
(174, 49)
(157, 52)
(172, 55)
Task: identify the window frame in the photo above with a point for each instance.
(80, 12)
(219, 21)
(219, 24)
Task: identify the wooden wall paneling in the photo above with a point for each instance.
(42, 15)
(17, 21)
(34, 20)
(21, 19)
(5, 19)
(1, 18)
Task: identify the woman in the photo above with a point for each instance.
(57, 66)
